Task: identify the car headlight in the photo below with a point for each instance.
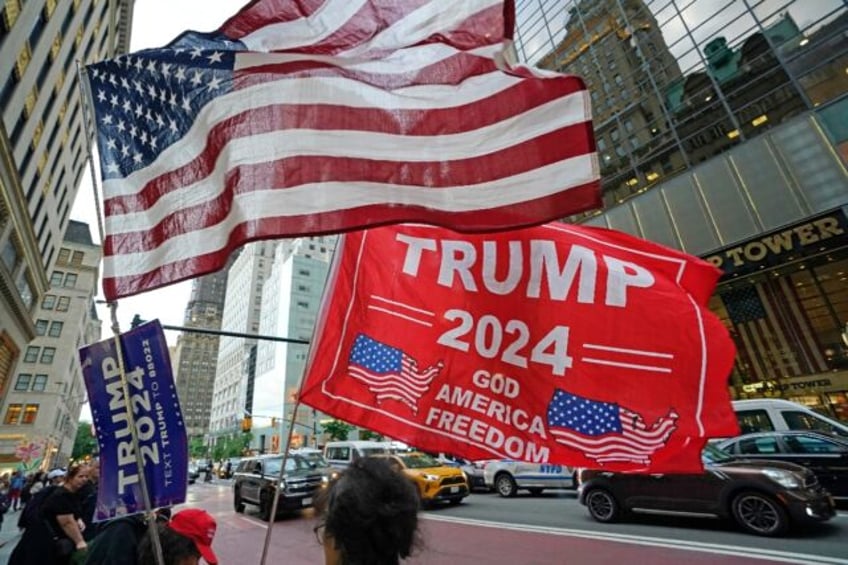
(429, 477)
(282, 486)
(785, 479)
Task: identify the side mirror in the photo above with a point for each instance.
(257, 468)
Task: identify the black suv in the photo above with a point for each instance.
(255, 482)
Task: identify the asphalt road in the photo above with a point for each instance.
(526, 530)
(551, 528)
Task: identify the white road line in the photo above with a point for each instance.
(713, 548)
(254, 522)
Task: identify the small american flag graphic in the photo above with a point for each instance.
(605, 431)
(388, 372)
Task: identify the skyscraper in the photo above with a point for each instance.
(42, 145)
(721, 131)
(46, 394)
(197, 353)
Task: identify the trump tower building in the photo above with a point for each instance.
(722, 130)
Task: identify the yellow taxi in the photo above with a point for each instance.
(435, 482)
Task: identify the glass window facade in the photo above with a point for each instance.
(748, 99)
(687, 80)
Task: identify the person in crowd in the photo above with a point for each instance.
(88, 501)
(369, 515)
(185, 539)
(53, 529)
(116, 542)
(16, 485)
(34, 484)
(56, 477)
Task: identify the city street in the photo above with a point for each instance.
(487, 529)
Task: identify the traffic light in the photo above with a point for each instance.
(246, 423)
(273, 422)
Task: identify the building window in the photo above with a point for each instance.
(48, 302)
(40, 383)
(64, 256)
(71, 280)
(76, 258)
(23, 381)
(56, 278)
(47, 355)
(56, 329)
(40, 327)
(31, 355)
(30, 414)
(13, 414)
(62, 305)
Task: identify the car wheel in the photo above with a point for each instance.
(238, 505)
(535, 491)
(265, 506)
(759, 514)
(602, 505)
(505, 485)
(455, 501)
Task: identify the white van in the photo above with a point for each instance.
(773, 414)
(340, 454)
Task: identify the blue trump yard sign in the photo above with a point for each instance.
(152, 397)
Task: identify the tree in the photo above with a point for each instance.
(370, 435)
(337, 429)
(84, 443)
(232, 445)
(196, 447)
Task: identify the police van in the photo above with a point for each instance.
(507, 477)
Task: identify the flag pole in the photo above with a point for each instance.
(293, 418)
(116, 331)
(273, 516)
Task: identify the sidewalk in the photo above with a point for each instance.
(9, 535)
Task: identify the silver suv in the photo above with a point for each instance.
(507, 477)
(255, 482)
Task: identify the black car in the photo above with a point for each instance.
(763, 497)
(255, 482)
(825, 456)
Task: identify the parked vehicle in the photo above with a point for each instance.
(774, 414)
(435, 482)
(825, 456)
(507, 477)
(762, 497)
(475, 474)
(340, 454)
(255, 482)
(193, 473)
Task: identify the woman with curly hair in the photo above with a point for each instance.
(369, 516)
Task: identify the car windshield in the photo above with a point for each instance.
(314, 459)
(712, 454)
(369, 451)
(293, 463)
(418, 460)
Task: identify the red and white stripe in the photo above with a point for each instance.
(636, 443)
(365, 113)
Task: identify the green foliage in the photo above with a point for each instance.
(337, 429)
(197, 447)
(84, 442)
(233, 445)
(369, 435)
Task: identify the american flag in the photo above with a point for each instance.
(605, 431)
(312, 117)
(773, 334)
(388, 372)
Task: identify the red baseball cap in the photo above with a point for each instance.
(199, 526)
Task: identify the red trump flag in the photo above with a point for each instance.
(313, 117)
(561, 344)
